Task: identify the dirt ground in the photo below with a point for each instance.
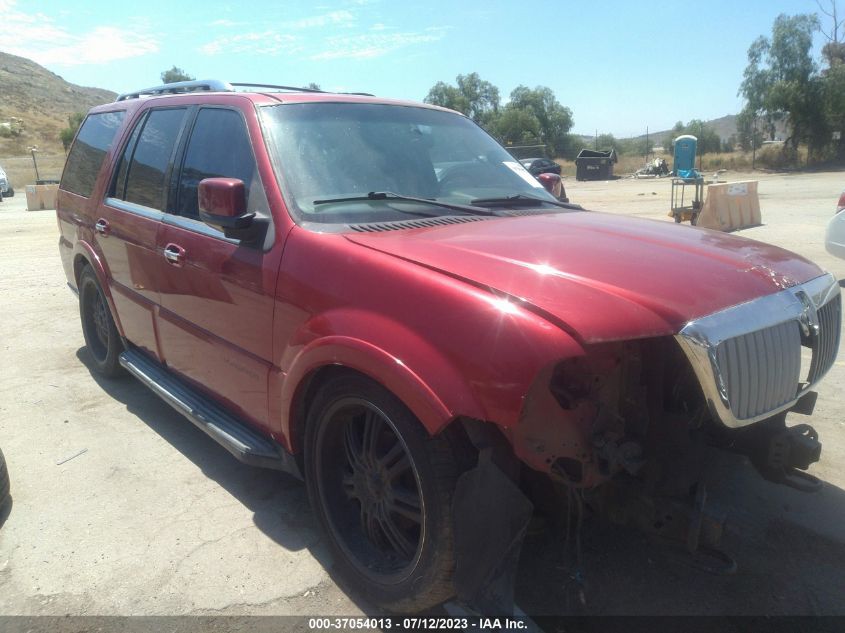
(120, 506)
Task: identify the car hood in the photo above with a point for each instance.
(601, 277)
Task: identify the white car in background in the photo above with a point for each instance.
(6, 190)
(834, 240)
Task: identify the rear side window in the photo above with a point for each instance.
(219, 148)
(148, 155)
(89, 149)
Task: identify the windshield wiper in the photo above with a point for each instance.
(521, 200)
(388, 195)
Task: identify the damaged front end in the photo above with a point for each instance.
(648, 407)
(626, 428)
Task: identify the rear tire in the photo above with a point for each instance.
(101, 336)
(381, 488)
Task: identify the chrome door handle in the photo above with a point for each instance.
(102, 227)
(174, 254)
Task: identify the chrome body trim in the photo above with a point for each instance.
(727, 348)
(197, 226)
(244, 443)
(136, 209)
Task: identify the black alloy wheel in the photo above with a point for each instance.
(372, 490)
(381, 489)
(101, 336)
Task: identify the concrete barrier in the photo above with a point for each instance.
(41, 197)
(730, 206)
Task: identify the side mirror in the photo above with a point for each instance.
(222, 204)
(551, 183)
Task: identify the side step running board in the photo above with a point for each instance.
(232, 434)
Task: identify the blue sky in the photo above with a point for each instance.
(620, 66)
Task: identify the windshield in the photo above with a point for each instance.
(328, 151)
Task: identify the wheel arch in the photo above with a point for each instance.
(84, 255)
(327, 357)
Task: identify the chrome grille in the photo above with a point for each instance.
(747, 358)
(827, 343)
(761, 370)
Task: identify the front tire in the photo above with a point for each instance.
(101, 336)
(381, 488)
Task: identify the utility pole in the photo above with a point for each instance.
(753, 141)
(35, 164)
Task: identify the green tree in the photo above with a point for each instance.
(175, 74)
(833, 77)
(605, 142)
(67, 134)
(781, 80)
(708, 140)
(669, 140)
(748, 134)
(472, 96)
(447, 96)
(517, 126)
(834, 50)
(833, 91)
(555, 119)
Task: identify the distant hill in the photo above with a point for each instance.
(42, 101)
(724, 126)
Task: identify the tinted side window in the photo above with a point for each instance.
(118, 188)
(88, 151)
(218, 148)
(145, 180)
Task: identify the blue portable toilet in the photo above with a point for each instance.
(685, 149)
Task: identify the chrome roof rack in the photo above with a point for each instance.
(210, 85)
(213, 85)
(274, 87)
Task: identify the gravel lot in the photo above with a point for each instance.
(154, 518)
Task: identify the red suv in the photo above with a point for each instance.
(374, 295)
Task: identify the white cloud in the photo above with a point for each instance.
(265, 43)
(38, 37)
(312, 38)
(325, 19)
(370, 45)
(281, 39)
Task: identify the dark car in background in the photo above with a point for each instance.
(537, 166)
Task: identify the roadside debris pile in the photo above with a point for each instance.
(656, 168)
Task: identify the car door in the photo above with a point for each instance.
(128, 221)
(215, 321)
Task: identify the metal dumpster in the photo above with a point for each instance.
(595, 165)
